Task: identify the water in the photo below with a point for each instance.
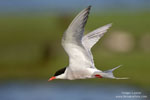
(68, 91)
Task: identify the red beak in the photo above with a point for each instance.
(52, 78)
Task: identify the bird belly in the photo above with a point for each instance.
(79, 74)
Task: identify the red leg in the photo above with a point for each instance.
(98, 76)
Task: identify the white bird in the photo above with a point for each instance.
(78, 47)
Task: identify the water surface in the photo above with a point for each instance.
(68, 91)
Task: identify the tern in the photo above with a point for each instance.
(78, 47)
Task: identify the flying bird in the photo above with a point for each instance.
(78, 47)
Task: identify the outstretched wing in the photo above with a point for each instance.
(72, 41)
(91, 38)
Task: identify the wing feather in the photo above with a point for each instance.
(90, 39)
(75, 30)
(72, 41)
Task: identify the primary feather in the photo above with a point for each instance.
(72, 41)
(90, 39)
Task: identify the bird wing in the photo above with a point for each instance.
(92, 38)
(72, 41)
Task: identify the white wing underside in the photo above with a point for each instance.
(90, 39)
(78, 46)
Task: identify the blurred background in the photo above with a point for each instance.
(31, 51)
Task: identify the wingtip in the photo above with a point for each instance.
(109, 25)
(89, 7)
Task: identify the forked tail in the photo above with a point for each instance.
(109, 73)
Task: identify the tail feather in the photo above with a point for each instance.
(111, 70)
(109, 73)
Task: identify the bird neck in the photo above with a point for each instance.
(62, 76)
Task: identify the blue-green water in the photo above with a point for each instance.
(68, 91)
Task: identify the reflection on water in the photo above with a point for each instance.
(68, 91)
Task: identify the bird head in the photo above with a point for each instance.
(58, 75)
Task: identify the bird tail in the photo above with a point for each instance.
(109, 73)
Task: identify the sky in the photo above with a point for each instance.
(9, 6)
